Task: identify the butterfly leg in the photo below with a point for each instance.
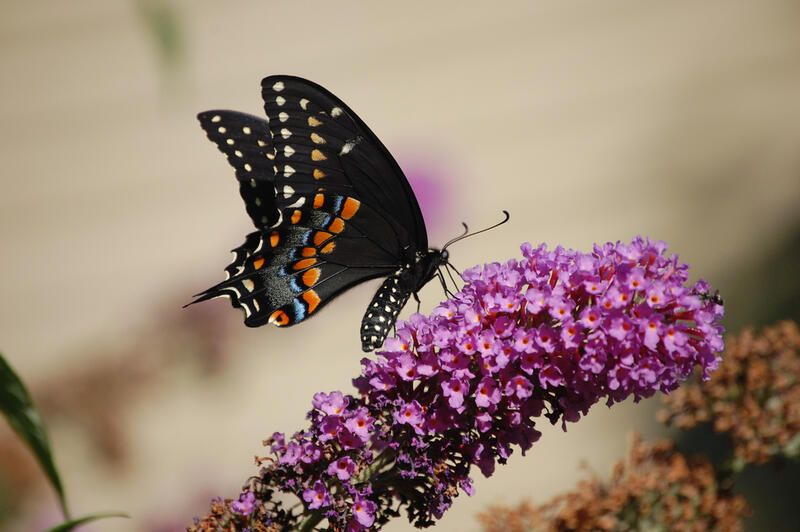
(416, 298)
(447, 291)
(454, 269)
(447, 267)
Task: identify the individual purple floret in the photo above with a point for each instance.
(548, 335)
(244, 506)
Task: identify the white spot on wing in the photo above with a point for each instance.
(280, 100)
(299, 203)
(278, 87)
(283, 117)
(336, 111)
(276, 224)
(287, 171)
(288, 151)
(304, 103)
(285, 133)
(216, 118)
(248, 284)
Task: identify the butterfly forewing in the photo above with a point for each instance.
(320, 142)
(246, 142)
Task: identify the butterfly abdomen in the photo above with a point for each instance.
(382, 311)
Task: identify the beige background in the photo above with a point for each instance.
(588, 121)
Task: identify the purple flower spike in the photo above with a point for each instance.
(550, 334)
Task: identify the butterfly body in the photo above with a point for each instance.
(331, 207)
(394, 293)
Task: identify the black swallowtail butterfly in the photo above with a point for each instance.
(331, 207)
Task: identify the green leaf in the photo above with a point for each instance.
(73, 523)
(17, 407)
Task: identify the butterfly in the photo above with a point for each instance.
(331, 208)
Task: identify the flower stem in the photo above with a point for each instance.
(310, 522)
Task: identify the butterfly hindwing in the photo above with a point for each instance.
(247, 143)
(285, 274)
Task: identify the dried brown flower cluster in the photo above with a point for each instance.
(754, 395)
(655, 488)
(221, 517)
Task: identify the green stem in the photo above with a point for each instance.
(310, 522)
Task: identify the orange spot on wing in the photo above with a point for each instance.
(303, 264)
(330, 246)
(313, 122)
(310, 277)
(308, 252)
(337, 226)
(259, 263)
(316, 139)
(312, 300)
(317, 155)
(319, 200)
(296, 215)
(320, 237)
(319, 174)
(350, 208)
(279, 318)
(274, 239)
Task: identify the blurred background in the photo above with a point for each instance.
(589, 122)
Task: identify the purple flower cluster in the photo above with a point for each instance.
(548, 335)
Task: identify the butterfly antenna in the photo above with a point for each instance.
(462, 235)
(467, 235)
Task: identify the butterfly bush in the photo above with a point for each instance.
(548, 335)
